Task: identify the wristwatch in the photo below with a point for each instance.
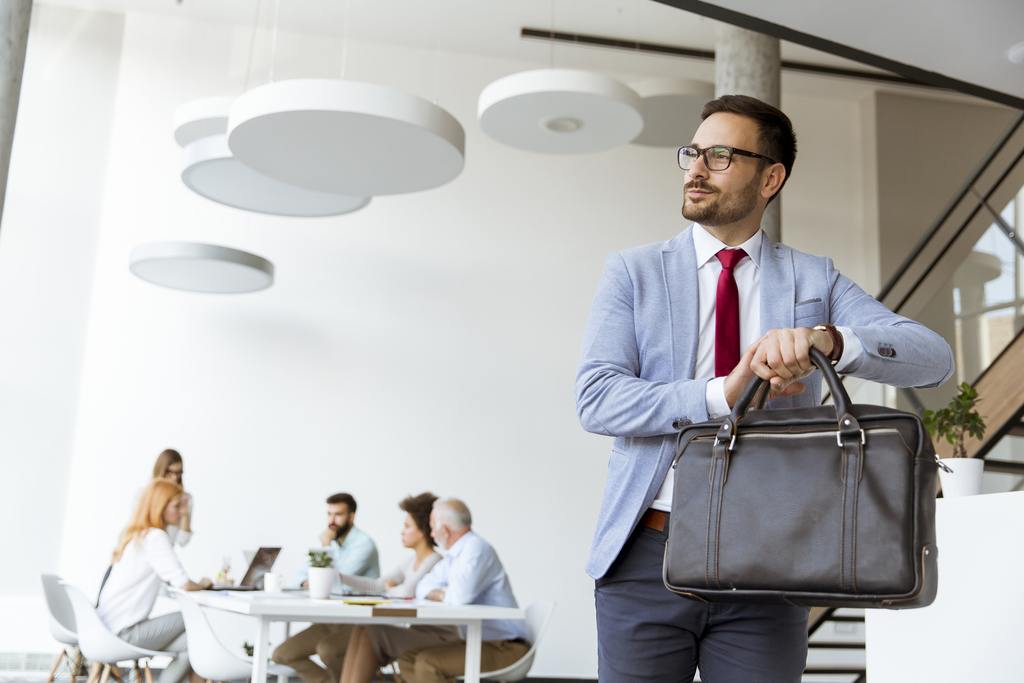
(837, 342)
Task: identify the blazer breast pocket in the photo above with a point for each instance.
(809, 312)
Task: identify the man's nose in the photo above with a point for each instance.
(698, 169)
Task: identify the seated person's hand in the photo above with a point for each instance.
(390, 584)
(437, 595)
(326, 536)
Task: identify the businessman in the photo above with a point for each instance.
(677, 329)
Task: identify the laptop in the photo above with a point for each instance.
(262, 562)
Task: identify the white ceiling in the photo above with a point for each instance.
(967, 41)
(492, 28)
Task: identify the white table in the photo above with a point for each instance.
(288, 607)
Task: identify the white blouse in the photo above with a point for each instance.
(136, 579)
(404, 576)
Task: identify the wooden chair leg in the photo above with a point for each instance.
(105, 676)
(76, 663)
(149, 673)
(94, 672)
(137, 671)
(56, 665)
(116, 673)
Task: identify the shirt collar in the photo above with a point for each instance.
(707, 245)
(458, 546)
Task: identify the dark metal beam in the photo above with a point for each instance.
(707, 9)
(679, 51)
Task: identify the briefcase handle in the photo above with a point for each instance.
(839, 395)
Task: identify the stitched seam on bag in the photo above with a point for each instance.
(718, 530)
(842, 533)
(856, 507)
(707, 541)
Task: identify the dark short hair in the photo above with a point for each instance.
(345, 498)
(775, 130)
(419, 508)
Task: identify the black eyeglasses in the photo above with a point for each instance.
(716, 157)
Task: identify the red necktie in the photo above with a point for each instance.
(727, 313)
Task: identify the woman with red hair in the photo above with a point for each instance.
(143, 562)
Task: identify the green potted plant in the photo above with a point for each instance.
(960, 474)
(321, 574)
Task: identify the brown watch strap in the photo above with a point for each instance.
(837, 341)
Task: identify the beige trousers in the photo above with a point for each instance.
(436, 654)
(327, 641)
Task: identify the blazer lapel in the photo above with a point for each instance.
(778, 286)
(681, 290)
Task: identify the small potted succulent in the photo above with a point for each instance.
(960, 474)
(321, 574)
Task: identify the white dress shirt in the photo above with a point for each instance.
(747, 274)
(471, 574)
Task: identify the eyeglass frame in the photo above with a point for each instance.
(732, 152)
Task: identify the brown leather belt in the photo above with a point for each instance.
(654, 519)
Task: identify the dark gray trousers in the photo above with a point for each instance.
(647, 633)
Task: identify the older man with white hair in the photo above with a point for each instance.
(469, 574)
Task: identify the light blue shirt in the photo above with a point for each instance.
(355, 555)
(471, 574)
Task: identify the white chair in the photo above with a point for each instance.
(208, 655)
(62, 627)
(538, 615)
(101, 646)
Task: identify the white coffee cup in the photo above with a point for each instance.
(272, 583)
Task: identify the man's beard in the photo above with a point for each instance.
(340, 531)
(717, 209)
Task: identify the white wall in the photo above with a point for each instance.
(47, 241)
(426, 342)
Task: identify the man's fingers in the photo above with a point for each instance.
(790, 390)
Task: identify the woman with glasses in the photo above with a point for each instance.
(169, 466)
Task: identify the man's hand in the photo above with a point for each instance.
(327, 536)
(437, 595)
(783, 356)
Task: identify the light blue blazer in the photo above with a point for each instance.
(640, 349)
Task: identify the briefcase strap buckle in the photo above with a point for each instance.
(839, 438)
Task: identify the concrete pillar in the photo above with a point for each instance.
(14, 21)
(748, 63)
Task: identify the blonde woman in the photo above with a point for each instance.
(170, 466)
(143, 562)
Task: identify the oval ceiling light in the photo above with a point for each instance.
(671, 109)
(201, 118)
(210, 170)
(346, 137)
(197, 267)
(560, 111)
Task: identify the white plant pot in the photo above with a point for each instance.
(964, 480)
(320, 581)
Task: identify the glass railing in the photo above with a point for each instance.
(965, 279)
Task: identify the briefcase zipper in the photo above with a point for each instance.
(789, 435)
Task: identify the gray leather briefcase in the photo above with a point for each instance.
(830, 506)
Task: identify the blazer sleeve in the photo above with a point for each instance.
(896, 350)
(611, 396)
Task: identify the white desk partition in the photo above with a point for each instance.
(972, 632)
(268, 607)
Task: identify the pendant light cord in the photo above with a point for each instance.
(551, 31)
(346, 19)
(273, 39)
(252, 45)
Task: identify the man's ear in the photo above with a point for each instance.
(774, 177)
